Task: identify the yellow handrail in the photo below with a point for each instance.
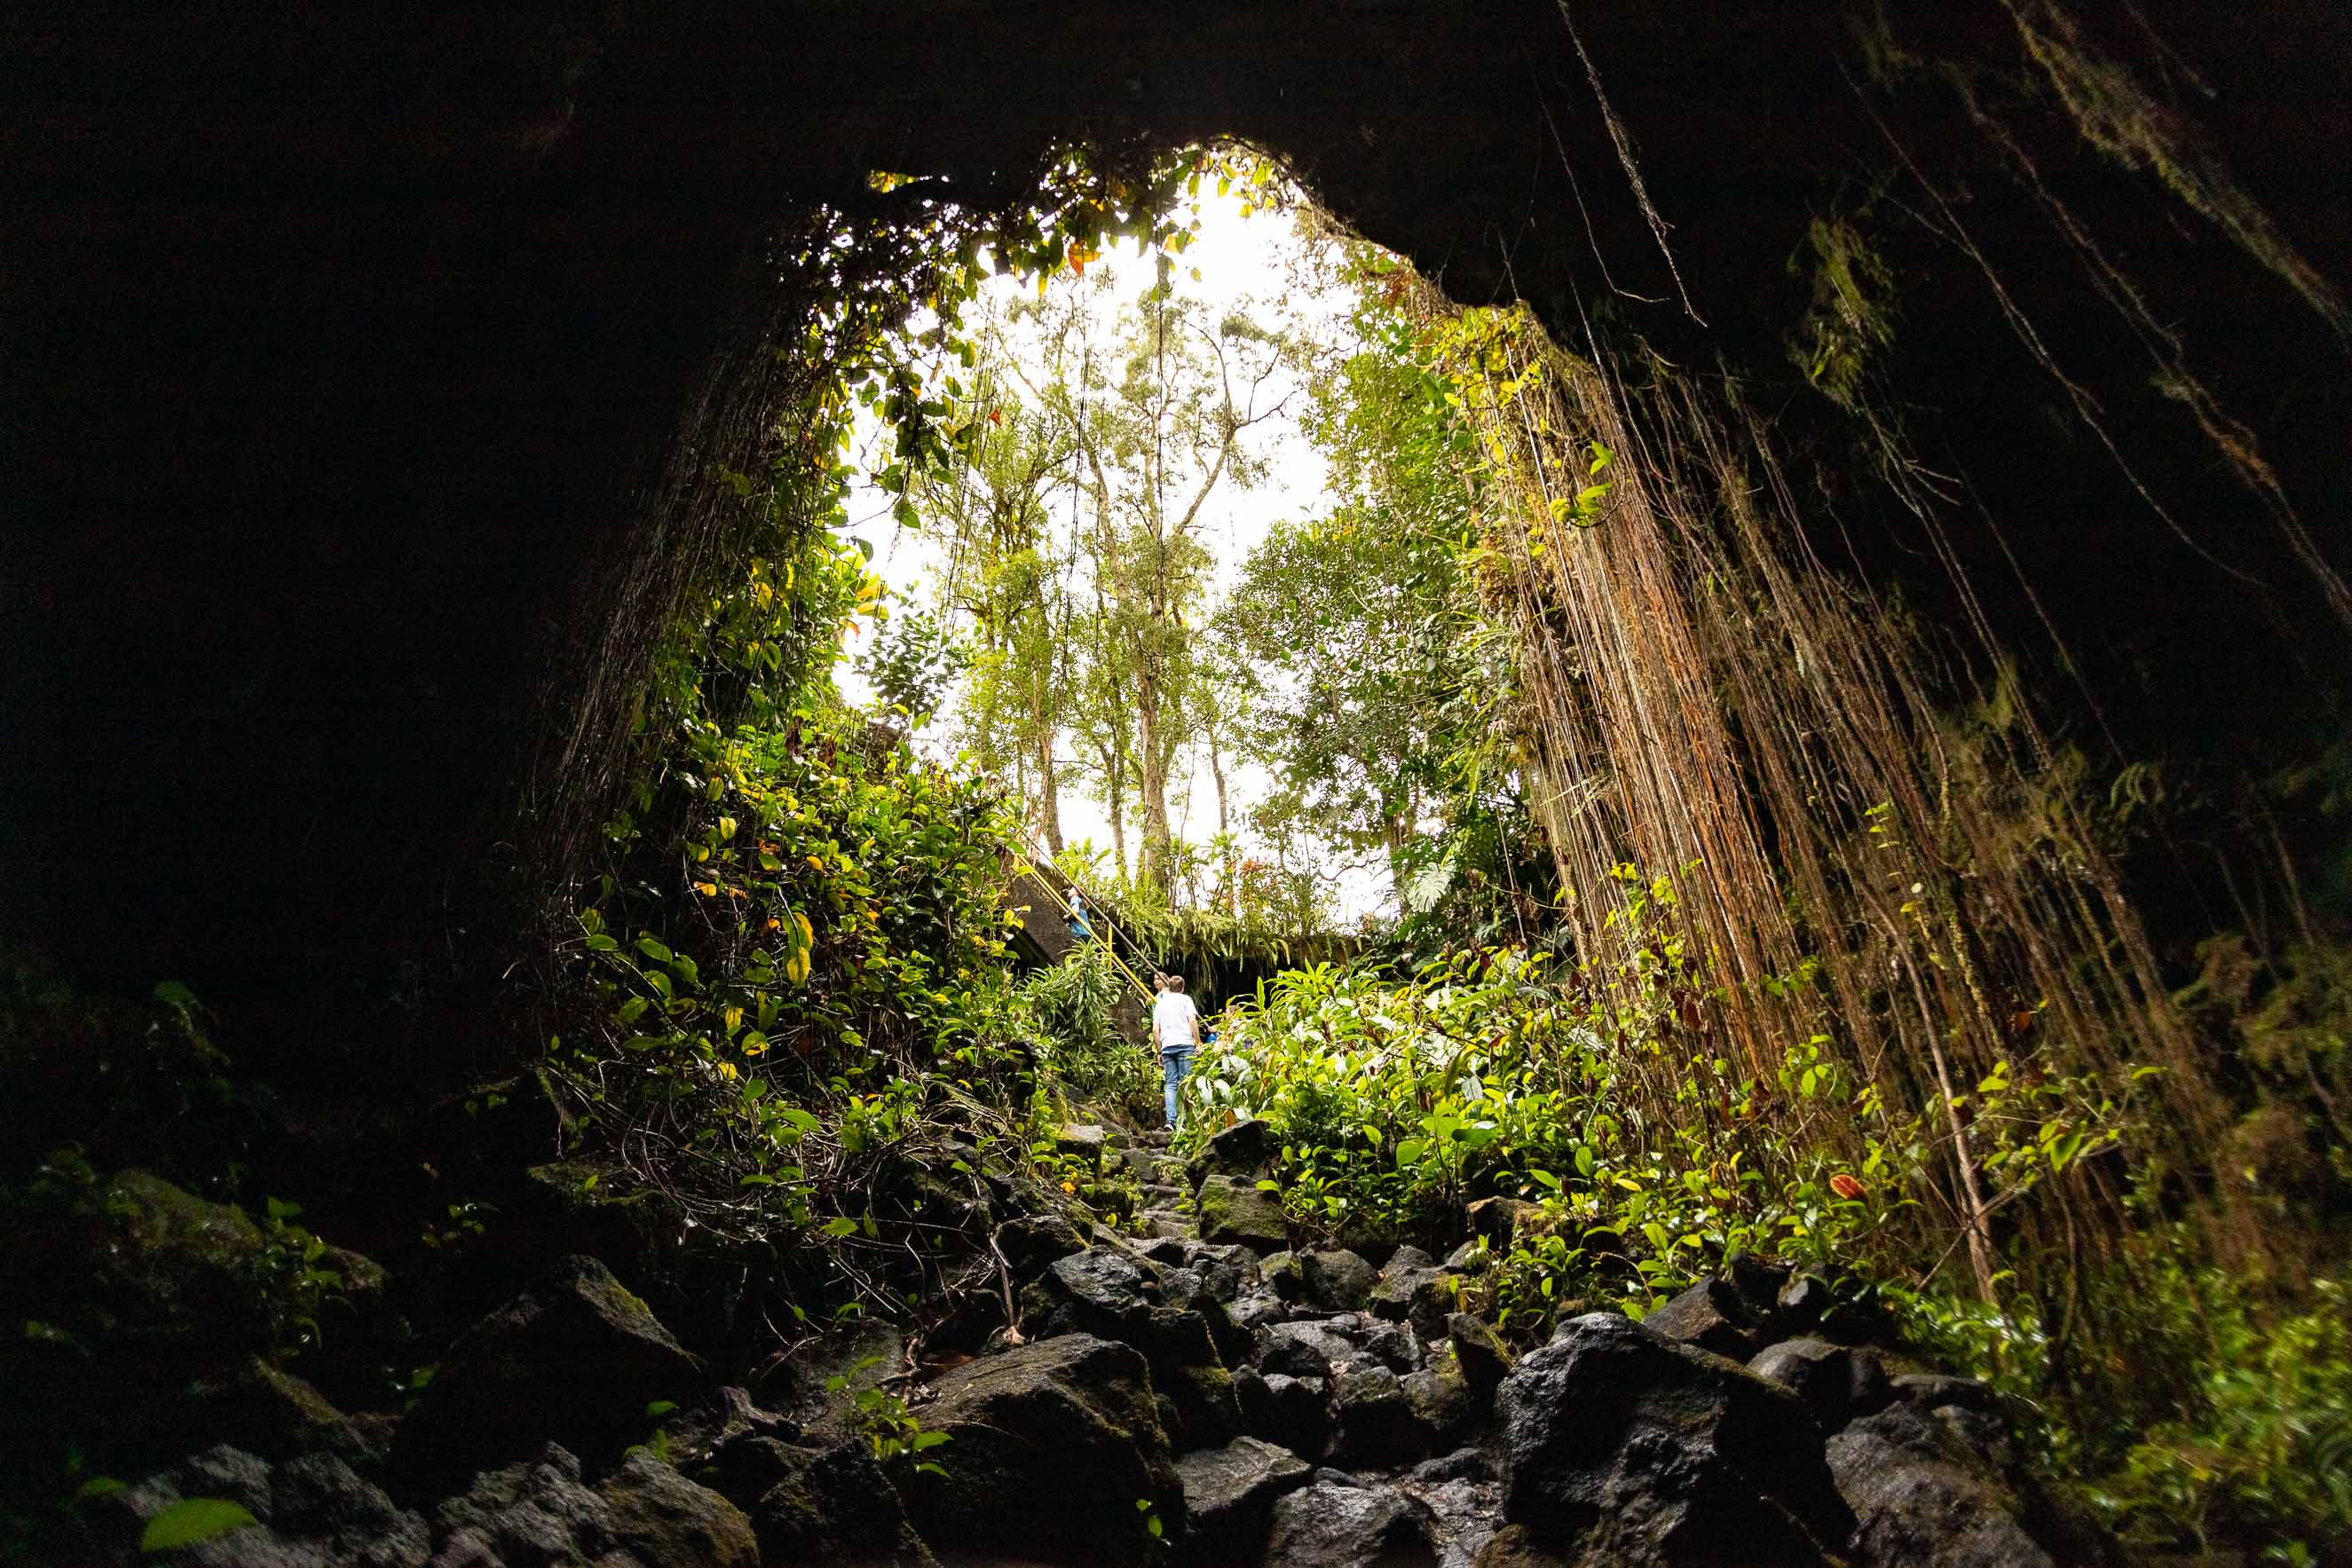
(1108, 951)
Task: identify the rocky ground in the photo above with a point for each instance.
(1204, 1395)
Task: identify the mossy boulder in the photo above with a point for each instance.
(1051, 1445)
(125, 1297)
(1233, 1211)
(149, 1271)
(576, 1358)
(665, 1521)
(828, 1507)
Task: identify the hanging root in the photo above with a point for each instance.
(2116, 115)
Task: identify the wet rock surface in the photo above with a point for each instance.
(1230, 1494)
(576, 1358)
(1630, 1448)
(1170, 1399)
(1054, 1444)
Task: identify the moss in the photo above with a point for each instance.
(1852, 316)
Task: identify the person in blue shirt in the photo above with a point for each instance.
(1081, 931)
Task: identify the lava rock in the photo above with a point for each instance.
(1050, 1445)
(1304, 1350)
(1711, 1315)
(1031, 1242)
(1921, 1498)
(1374, 1422)
(1443, 1405)
(1230, 1494)
(311, 1512)
(1204, 1405)
(1460, 1465)
(1934, 1390)
(536, 1511)
(828, 1507)
(1099, 1291)
(1292, 1411)
(1412, 1289)
(1758, 1282)
(1337, 1280)
(1244, 1149)
(1802, 1303)
(1227, 1271)
(1259, 1310)
(1285, 1274)
(1328, 1525)
(709, 1424)
(1235, 1211)
(575, 1356)
(1516, 1546)
(1835, 1382)
(1468, 1258)
(1638, 1450)
(1391, 1345)
(668, 1522)
(1479, 1352)
(1082, 1140)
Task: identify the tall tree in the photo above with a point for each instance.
(1168, 436)
(1349, 626)
(1004, 577)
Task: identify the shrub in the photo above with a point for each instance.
(1495, 1073)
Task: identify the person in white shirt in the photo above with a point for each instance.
(1176, 1026)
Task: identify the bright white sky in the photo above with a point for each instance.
(1254, 265)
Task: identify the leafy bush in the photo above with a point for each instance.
(1492, 1073)
(2199, 1416)
(1071, 1006)
(801, 924)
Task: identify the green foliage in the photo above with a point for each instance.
(301, 1279)
(914, 661)
(2200, 1416)
(1592, 1096)
(1078, 1036)
(797, 923)
(1850, 317)
(2260, 1445)
(890, 1429)
(192, 1522)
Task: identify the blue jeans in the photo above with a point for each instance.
(1173, 1065)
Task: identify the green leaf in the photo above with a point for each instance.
(98, 1487)
(600, 943)
(653, 948)
(190, 1520)
(840, 1224)
(172, 993)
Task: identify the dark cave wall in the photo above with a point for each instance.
(337, 342)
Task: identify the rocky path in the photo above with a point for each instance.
(1205, 1395)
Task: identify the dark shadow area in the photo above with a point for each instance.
(340, 346)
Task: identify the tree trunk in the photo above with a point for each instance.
(1229, 892)
(1049, 794)
(1151, 763)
